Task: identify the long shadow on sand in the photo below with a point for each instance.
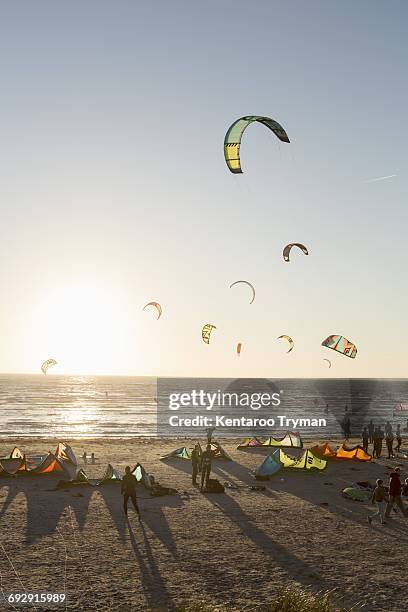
(46, 504)
(152, 582)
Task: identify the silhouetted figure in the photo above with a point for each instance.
(93, 458)
(389, 439)
(84, 457)
(376, 435)
(380, 438)
(347, 427)
(128, 490)
(326, 410)
(371, 432)
(196, 462)
(398, 436)
(388, 428)
(209, 431)
(206, 463)
(364, 436)
(394, 492)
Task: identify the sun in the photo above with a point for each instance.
(85, 328)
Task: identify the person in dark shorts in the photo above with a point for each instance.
(196, 462)
(128, 490)
(206, 462)
(364, 437)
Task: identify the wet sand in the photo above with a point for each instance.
(234, 549)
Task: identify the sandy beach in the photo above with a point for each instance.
(234, 549)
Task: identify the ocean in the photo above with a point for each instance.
(69, 407)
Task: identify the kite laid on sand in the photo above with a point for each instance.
(249, 285)
(206, 332)
(48, 364)
(155, 305)
(288, 248)
(232, 140)
(289, 339)
(341, 345)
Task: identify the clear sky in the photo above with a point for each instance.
(114, 190)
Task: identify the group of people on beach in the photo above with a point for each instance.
(385, 498)
(375, 434)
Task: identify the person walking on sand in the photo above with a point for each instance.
(378, 498)
(371, 432)
(364, 436)
(394, 492)
(206, 464)
(398, 436)
(128, 490)
(195, 462)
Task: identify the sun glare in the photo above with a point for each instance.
(84, 328)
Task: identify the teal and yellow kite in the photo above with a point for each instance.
(341, 345)
(232, 141)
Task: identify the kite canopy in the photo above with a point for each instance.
(249, 285)
(288, 248)
(232, 140)
(289, 339)
(291, 439)
(48, 364)
(155, 305)
(179, 453)
(206, 332)
(268, 468)
(341, 345)
(250, 443)
(355, 452)
(308, 461)
(239, 346)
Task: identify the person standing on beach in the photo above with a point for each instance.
(364, 436)
(128, 490)
(195, 462)
(347, 427)
(380, 441)
(371, 432)
(84, 457)
(394, 491)
(379, 496)
(398, 436)
(389, 439)
(206, 464)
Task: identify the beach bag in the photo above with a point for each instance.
(214, 486)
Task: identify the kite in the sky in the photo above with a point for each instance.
(239, 346)
(157, 306)
(249, 285)
(288, 248)
(232, 140)
(328, 361)
(289, 339)
(206, 332)
(341, 345)
(48, 364)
